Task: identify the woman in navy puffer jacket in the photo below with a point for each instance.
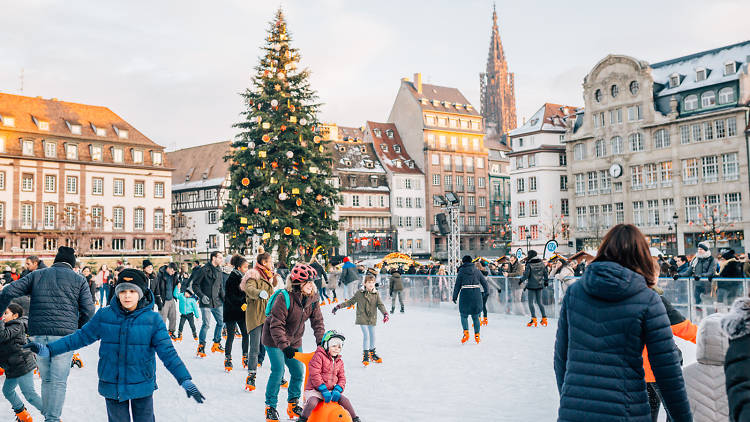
(605, 321)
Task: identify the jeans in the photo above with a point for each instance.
(349, 290)
(535, 295)
(254, 348)
(474, 320)
(189, 318)
(103, 294)
(230, 336)
(400, 295)
(169, 312)
(26, 382)
(54, 372)
(296, 370)
(142, 409)
(368, 337)
(218, 315)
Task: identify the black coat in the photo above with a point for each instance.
(14, 358)
(737, 360)
(209, 283)
(234, 298)
(164, 287)
(470, 283)
(535, 274)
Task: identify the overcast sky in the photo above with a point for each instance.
(173, 69)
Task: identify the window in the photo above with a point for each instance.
(96, 244)
(532, 183)
(730, 166)
(480, 162)
(697, 134)
(593, 178)
(533, 208)
(684, 134)
(71, 215)
(581, 220)
(532, 160)
(564, 207)
(27, 182)
(563, 182)
(436, 201)
(666, 173)
(475, 144)
(563, 160)
(464, 144)
(118, 188)
(710, 168)
(50, 149)
(520, 184)
(605, 181)
(726, 95)
(661, 139)
(636, 177)
(720, 133)
(71, 151)
(448, 182)
(653, 212)
(616, 145)
(634, 87)
(417, 202)
(9, 121)
(459, 182)
(690, 171)
(598, 95)
(708, 99)
(482, 201)
(700, 74)
(649, 171)
(638, 213)
(96, 152)
(729, 68)
(692, 209)
(580, 184)
(668, 207)
(600, 148)
(137, 156)
(2, 180)
(447, 162)
(435, 159)
(97, 186)
(118, 244)
(158, 220)
(97, 214)
(480, 182)
(27, 147)
(634, 113)
(75, 129)
(71, 184)
(117, 155)
(50, 244)
(619, 213)
(50, 214)
(212, 217)
(50, 183)
(408, 202)
(731, 126)
(435, 180)
(442, 142)
(138, 189)
(355, 200)
(690, 102)
(734, 206)
(636, 142)
(27, 216)
(674, 80)
(469, 163)
(521, 209)
(459, 163)
(118, 218)
(156, 158)
(28, 243)
(594, 216)
(139, 244)
(579, 151)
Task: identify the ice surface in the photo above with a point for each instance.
(426, 375)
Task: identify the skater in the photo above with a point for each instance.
(514, 270)
(333, 284)
(18, 363)
(86, 273)
(164, 296)
(189, 310)
(131, 335)
(148, 269)
(703, 265)
(326, 379)
(257, 285)
(704, 379)
(563, 273)
(208, 287)
(536, 279)
(60, 304)
(736, 324)
(485, 293)
(606, 319)
(368, 303)
(349, 278)
(102, 281)
(396, 288)
(234, 310)
(321, 280)
(282, 336)
(469, 284)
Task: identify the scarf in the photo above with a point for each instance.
(264, 272)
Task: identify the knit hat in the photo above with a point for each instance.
(532, 254)
(131, 279)
(727, 253)
(466, 259)
(704, 245)
(66, 255)
(346, 259)
(146, 263)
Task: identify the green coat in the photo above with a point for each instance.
(397, 284)
(255, 314)
(367, 305)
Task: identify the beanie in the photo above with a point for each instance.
(66, 255)
(727, 253)
(532, 254)
(131, 279)
(466, 259)
(146, 263)
(704, 246)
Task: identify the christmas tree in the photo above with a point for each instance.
(280, 165)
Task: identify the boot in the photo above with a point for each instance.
(228, 364)
(476, 337)
(402, 309)
(284, 383)
(23, 416)
(172, 336)
(374, 356)
(465, 338)
(393, 309)
(250, 381)
(195, 336)
(544, 321)
(335, 300)
(244, 361)
(293, 409)
(271, 414)
(76, 361)
(329, 300)
(201, 350)
(532, 322)
(217, 348)
(179, 336)
(366, 358)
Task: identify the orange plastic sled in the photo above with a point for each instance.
(323, 412)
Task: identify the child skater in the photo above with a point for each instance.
(189, 310)
(368, 302)
(326, 379)
(131, 334)
(18, 362)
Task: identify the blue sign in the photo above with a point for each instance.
(551, 246)
(519, 253)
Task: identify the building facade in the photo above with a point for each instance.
(500, 194)
(406, 182)
(81, 176)
(539, 180)
(496, 88)
(662, 146)
(200, 184)
(444, 135)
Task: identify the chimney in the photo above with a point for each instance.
(418, 82)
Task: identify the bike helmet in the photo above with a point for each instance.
(302, 273)
(332, 335)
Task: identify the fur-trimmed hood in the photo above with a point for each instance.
(737, 322)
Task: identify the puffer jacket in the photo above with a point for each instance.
(129, 344)
(704, 379)
(349, 273)
(397, 283)
(209, 283)
(324, 369)
(704, 267)
(234, 298)
(736, 325)
(606, 319)
(186, 305)
(60, 300)
(470, 283)
(285, 327)
(368, 304)
(14, 359)
(535, 274)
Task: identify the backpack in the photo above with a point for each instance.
(269, 305)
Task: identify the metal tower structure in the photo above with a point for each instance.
(454, 240)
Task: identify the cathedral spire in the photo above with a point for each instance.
(496, 85)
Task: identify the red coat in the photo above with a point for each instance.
(324, 369)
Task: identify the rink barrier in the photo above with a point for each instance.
(694, 299)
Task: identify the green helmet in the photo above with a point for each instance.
(331, 334)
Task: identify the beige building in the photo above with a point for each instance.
(662, 146)
(79, 175)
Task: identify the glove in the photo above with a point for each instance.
(386, 318)
(675, 277)
(243, 307)
(192, 391)
(697, 278)
(546, 283)
(159, 302)
(335, 308)
(289, 352)
(205, 300)
(327, 395)
(263, 294)
(336, 393)
(40, 349)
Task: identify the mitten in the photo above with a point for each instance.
(40, 349)
(336, 393)
(385, 318)
(263, 294)
(327, 395)
(335, 308)
(289, 352)
(192, 391)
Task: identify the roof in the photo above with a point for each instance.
(350, 133)
(384, 148)
(355, 156)
(446, 96)
(61, 115)
(201, 166)
(550, 117)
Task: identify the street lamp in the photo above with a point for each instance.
(208, 252)
(528, 240)
(675, 218)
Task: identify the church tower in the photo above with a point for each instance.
(497, 94)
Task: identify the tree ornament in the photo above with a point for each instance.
(280, 75)
(283, 196)
(283, 128)
(292, 108)
(292, 119)
(243, 220)
(299, 202)
(266, 138)
(251, 145)
(265, 75)
(259, 105)
(276, 46)
(289, 154)
(287, 230)
(302, 121)
(275, 102)
(274, 164)
(245, 181)
(273, 180)
(275, 221)
(319, 197)
(277, 237)
(277, 87)
(295, 191)
(295, 232)
(261, 154)
(316, 139)
(245, 202)
(256, 210)
(314, 170)
(288, 54)
(308, 189)
(321, 149)
(266, 236)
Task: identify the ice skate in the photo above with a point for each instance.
(250, 382)
(23, 416)
(329, 300)
(483, 321)
(76, 361)
(374, 356)
(284, 383)
(402, 309)
(476, 337)
(179, 336)
(544, 321)
(195, 337)
(532, 322)
(217, 348)
(172, 336)
(335, 300)
(393, 309)
(244, 361)
(465, 338)
(271, 414)
(201, 350)
(228, 364)
(293, 409)
(366, 358)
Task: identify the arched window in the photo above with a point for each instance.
(636, 141)
(726, 95)
(600, 148)
(708, 99)
(661, 138)
(691, 102)
(616, 145)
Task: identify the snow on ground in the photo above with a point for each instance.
(427, 375)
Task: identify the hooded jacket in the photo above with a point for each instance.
(368, 304)
(186, 305)
(704, 379)
(14, 358)
(606, 319)
(324, 369)
(349, 273)
(535, 274)
(397, 284)
(736, 325)
(255, 314)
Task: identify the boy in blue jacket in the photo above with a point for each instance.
(131, 333)
(189, 310)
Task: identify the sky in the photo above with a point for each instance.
(174, 69)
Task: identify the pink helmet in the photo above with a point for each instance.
(302, 273)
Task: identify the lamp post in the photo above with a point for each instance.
(528, 240)
(675, 218)
(208, 246)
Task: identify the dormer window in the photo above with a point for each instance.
(423, 101)
(353, 181)
(446, 104)
(384, 147)
(27, 147)
(121, 133)
(137, 156)
(9, 121)
(674, 80)
(730, 68)
(410, 164)
(469, 107)
(96, 152)
(156, 158)
(397, 163)
(74, 128)
(397, 148)
(41, 124)
(374, 181)
(377, 132)
(100, 131)
(362, 149)
(435, 103)
(71, 151)
(369, 164)
(700, 74)
(117, 155)
(389, 133)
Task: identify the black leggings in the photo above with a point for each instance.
(536, 295)
(190, 319)
(654, 401)
(231, 325)
(484, 304)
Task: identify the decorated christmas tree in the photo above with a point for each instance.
(280, 165)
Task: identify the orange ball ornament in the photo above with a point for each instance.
(245, 181)
(266, 138)
(287, 231)
(299, 202)
(274, 164)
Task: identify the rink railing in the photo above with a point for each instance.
(694, 299)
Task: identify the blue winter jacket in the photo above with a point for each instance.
(129, 340)
(606, 319)
(186, 304)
